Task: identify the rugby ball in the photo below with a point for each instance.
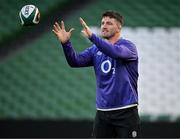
(29, 15)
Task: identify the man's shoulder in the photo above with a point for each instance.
(123, 40)
(126, 42)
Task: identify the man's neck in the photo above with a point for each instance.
(114, 39)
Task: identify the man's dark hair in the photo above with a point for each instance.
(115, 15)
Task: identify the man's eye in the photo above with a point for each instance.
(109, 23)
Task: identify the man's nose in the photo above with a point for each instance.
(104, 26)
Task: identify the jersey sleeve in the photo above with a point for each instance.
(126, 50)
(74, 59)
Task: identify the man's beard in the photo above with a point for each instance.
(108, 36)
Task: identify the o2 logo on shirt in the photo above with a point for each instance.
(106, 66)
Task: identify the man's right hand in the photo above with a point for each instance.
(61, 33)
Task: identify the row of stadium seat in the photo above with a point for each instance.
(40, 83)
(139, 13)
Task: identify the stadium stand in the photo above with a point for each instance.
(36, 82)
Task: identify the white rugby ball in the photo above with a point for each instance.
(29, 15)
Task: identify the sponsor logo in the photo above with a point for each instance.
(106, 67)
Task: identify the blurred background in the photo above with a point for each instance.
(41, 96)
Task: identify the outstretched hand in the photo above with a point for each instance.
(61, 33)
(86, 30)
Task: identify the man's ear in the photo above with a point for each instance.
(119, 26)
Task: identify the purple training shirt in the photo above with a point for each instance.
(116, 69)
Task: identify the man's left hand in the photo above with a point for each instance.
(86, 30)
